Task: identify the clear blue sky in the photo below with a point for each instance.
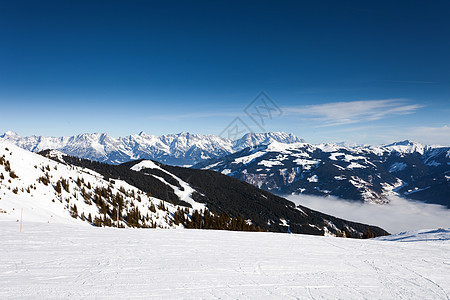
(339, 70)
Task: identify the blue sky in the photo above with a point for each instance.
(338, 71)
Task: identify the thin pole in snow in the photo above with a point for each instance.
(21, 214)
(117, 216)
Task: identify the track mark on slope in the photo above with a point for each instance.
(310, 295)
(257, 269)
(426, 279)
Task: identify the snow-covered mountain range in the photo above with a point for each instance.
(357, 173)
(175, 149)
(278, 162)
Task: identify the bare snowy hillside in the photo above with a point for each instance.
(50, 261)
(55, 192)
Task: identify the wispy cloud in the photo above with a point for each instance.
(341, 113)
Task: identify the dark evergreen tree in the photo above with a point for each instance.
(58, 187)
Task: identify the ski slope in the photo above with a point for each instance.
(51, 260)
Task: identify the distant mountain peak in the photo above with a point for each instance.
(402, 143)
(406, 146)
(183, 148)
(10, 134)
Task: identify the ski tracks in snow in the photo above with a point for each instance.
(58, 261)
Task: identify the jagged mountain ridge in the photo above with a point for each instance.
(223, 195)
(362, 173)
(175, 149)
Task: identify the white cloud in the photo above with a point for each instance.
(341, 113)
(399, 215)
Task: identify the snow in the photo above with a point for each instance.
(184, 194)
(328, 147)
(275, 146)
(396, 167)
(226, 172)
(313, 178)
(306, 163)
(440, 234)
(270, 163)
(416, 189)
(406, 147)
(50, 261)
(41, 203)
(339, 167)
(283, 222)
(145, 164)
(182, 148)
(354, 165)
(335, 155)
(212, 166)
(247, 159)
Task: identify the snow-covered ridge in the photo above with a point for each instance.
(184, 193)
(177, 149)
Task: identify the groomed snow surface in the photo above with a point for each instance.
(54, 260)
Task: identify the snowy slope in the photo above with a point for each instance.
(50, 261)
(24, 186)
(176, 149)
(183, 190)
(440, 234)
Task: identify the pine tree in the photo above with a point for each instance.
(97, 222)
(152, 208)
(65, 184)
(74, 211)
(58, 187)
(13, 175)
